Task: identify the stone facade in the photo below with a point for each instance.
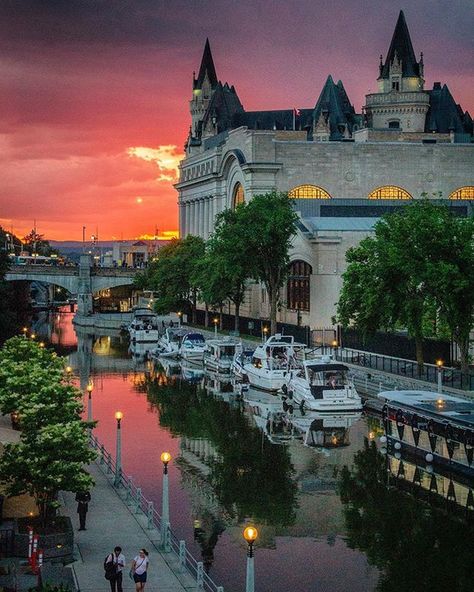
(371, 152)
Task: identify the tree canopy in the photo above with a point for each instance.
(420, 260)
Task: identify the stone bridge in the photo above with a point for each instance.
(83, 280)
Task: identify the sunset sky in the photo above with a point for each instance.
(94, 93)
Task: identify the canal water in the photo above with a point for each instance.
(321, 527)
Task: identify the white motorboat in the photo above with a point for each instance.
(240, 359)
(170, 342)
(322, 384)
(272, 362)
(192, 347)
(144, 326)
(219, 354)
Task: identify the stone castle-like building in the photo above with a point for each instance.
(343, 169)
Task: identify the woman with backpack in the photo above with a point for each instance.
(113, 566)
(139, 570)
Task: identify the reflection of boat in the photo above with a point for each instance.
(192, 373)
(435, 427)
(170, 366)
(219, 354)
(192, 347)
(221, 386)
(170, 342)
(271, 362)
(140, 351)
(144, 326)
(324, 430)
(323, 385)
(268, 416)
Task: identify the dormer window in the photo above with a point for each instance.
(395, 84)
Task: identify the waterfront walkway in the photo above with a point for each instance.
(110, 522)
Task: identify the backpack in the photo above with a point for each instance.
(110, 568)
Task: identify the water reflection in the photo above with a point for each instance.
(417, 546)
(240, 457)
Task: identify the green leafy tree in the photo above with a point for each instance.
(401, 274)
(266, 225)
(36, 243)
(230, 256)
(171, 275)
(210, 281)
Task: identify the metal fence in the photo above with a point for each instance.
(140, 504)
(451, 377)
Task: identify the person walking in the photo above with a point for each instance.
(139, 569)
(82, 498)
(117, 559)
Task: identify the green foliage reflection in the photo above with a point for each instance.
(416, 547)
(252, 477)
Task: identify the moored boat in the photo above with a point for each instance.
(272, 362)
(192, 347)
(220, 353)
(144, 326)
(322, 384)
(170, 342)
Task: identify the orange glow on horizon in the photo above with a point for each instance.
(164, 235)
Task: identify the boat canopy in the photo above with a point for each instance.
(327, 367)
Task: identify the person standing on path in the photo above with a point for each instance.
(139, 569)
(82, 498)
(118, 559)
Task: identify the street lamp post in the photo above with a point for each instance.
(118, 451)
(215, 321)
(264, 334)
(24, 331)
(89, 388)
(165, 503)
(439, 365)
(334, 347)
(180, 314)
(250, 535)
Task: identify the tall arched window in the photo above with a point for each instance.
(389, 192)
(463, 193)
(308, 192)
(238, 196)
(297, 286)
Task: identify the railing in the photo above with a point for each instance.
(140, 504)
(451, 377)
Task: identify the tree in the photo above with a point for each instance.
(36, 243)
(402, 273)
(230, 256)
(54, 441)
(266, 225)
(172, 274)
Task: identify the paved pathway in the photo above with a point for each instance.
(109, 523)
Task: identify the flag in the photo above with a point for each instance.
(296, 112)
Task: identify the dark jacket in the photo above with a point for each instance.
(83, 500)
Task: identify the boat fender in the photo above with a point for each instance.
(290, 394)
(398, 446)
(415, 429)
(429, 458)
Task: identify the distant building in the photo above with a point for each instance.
(131, 253)
(344, 169)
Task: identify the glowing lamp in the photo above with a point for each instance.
(250, 534)
(68, 369)
(165, 457)
(440, 402)
(118, 415)
(216, 320)
(334, 343)
(41, 344)
(33, 336)
(90, 388)
(265, 329)
(439, 363)
(25, 329)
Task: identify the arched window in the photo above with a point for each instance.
(308, 192)
(238, 196)
(389, 192)
(297, 286)
(463, 193)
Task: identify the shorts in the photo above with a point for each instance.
(139, 577)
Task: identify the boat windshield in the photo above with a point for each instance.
(227, 351)
(195, 338)
(336, 378)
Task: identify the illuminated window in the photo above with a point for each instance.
(238, 196)
(389, 192)
(297, 286)
(308, 192)
(463, 193)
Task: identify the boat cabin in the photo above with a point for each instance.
(328, 376)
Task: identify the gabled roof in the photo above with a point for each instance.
(207, 65)
(401, 46)
(224, 104)
(333, 103)
(444, 114)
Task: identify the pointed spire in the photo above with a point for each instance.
(402, 48)
(207, 67)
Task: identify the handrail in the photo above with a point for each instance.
(140, 503)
